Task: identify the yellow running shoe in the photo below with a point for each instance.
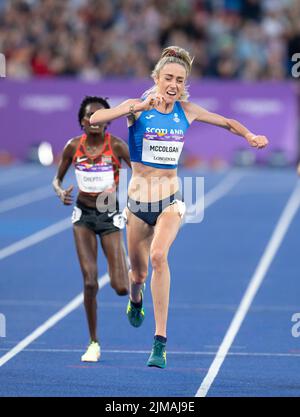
(92, 354)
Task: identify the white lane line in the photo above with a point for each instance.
(273, 245)
(213, 195)
(186, 353)
(71, 306)
(26, 198)
(223, 188)
(19, 175)
(35, 238)
(149, 305)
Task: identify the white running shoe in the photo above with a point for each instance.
(92, 354)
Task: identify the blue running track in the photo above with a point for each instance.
(212, 264)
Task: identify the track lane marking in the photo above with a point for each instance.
(71, 306)
(256, 280)
(26, 198)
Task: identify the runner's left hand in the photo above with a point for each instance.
(257, 141)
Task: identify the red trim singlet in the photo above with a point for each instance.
(96, 173)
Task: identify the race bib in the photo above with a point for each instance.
(119, 221)
(76, 215)
(95, 179)
(164, 151)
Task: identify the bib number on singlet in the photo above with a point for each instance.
(76, 214)
(94, 182)
(161, 152)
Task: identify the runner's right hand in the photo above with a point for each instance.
(66, 196)
(152, 100)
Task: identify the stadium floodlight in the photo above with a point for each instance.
(45, 154)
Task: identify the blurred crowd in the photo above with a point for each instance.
(90, 39)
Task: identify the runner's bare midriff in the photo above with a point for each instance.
(152, 184)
